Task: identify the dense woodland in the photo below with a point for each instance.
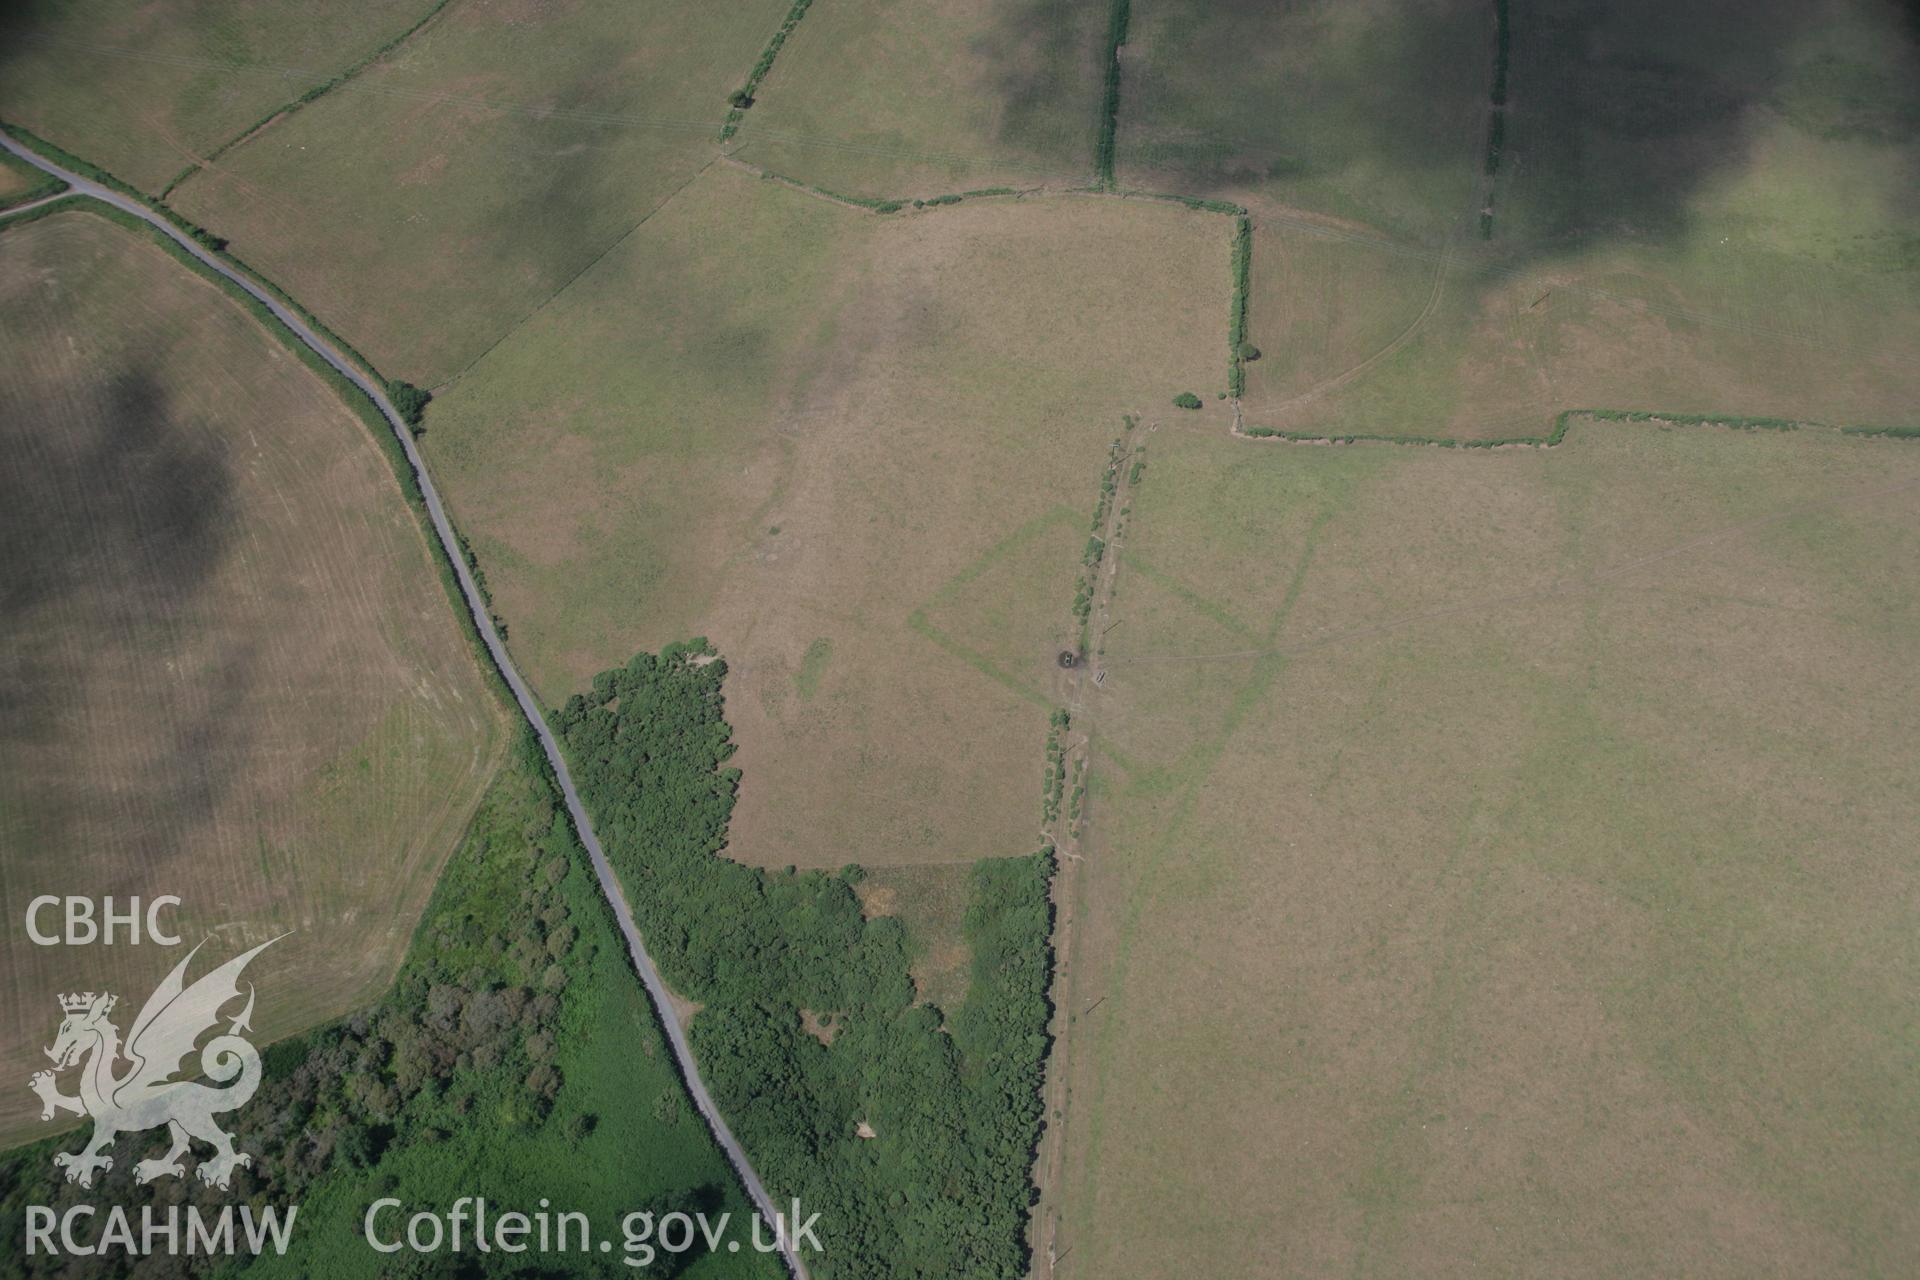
(952, 1098)
(502, 1062)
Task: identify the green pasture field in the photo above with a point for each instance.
(145, 91)
(857, 451)
(1691, 210)
(892, 99)
(1499, 863)
(1371, 112)
(1363, 336)
(233, 672)
(20, 182)
(441, 196)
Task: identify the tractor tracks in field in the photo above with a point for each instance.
(81, 188)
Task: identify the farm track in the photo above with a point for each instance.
(483, 623)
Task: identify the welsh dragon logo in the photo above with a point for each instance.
(147, 1093)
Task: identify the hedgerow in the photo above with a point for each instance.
(1565, 419)
(742, 98)
(45, 184)
(1237, 344)
(1118, 15)
(312, 93)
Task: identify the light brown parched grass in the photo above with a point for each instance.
(1513, 873)
(859, 453)
(231, 672)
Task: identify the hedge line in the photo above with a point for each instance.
(1237, 317)
(743, 97)
(1502, 39)
(206, 239)
(1561, 422)
(1497, 124)
(1200, 203)
(47, 185)
(885, 204)
(318, 90)
(355, 400)
(1118, 16)
(41, 211)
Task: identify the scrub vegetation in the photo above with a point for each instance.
(951, 1098)
(514, 1059)
(21, 183)
(1463, 863)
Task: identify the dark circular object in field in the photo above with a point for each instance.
(1069, 659)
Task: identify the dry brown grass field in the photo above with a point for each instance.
(859, 453)
(1500, 864)
(146, 90)
(231, 671)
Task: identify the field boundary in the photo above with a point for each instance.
(743, 96)
(1563, 422)
(871, 204)
(1237, 343)
(474, 609)
(46, 187)
(898, 204)
(1119, 17)
(214, 245)
(362, 409)
(568, 283)
(315, 92)
(1070, 747)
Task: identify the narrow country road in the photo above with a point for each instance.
(443, 530)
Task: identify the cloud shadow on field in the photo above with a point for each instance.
(1623, 110)
(1041, 51)
(1619, 111)
(116, 519)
